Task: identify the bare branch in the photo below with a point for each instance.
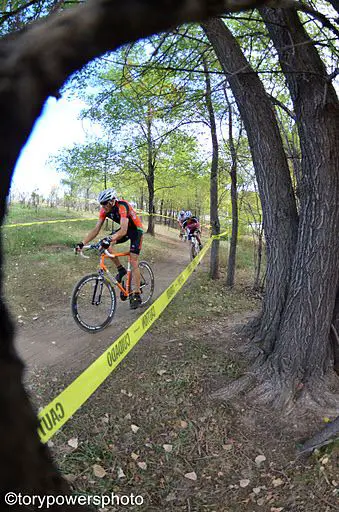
(169, 186)
(307, 9)
(283, 107)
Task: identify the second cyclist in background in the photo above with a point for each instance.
(181, 218)
(191, 225)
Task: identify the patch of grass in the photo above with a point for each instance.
(202, 298)
(19, 214)
(37, 238)
(246, 251)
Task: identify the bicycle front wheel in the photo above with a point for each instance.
(146, 282)
(194, 251)
(93, 303)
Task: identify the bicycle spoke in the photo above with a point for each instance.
(146, 282)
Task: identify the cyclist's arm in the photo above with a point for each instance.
(93, 233)
(122, 231)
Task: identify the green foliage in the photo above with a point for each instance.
(87, 167)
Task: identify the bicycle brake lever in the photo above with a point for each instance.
(109, 254)
(82, 255)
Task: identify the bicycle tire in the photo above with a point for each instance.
(194, 249)
(83, 309)
(146, 282)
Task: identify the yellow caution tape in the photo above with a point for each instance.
(46, 222)
(59, 410)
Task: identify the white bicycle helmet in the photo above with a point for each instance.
(107, 195)
(188, 214)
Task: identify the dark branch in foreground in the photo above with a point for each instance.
(322, 438)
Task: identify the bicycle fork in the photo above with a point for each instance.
(99, 282)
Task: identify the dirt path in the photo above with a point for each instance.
(56, 341)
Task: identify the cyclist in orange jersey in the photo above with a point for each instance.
(131, 228)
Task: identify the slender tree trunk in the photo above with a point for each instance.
(161, 210)
(150, 183)
(150, 173)
(108, 148)
(214, 217)
(302, 346)
(234, 200)
(142, 198)
(271, 168)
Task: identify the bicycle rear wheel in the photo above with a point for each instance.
(146, 282)
(93, 303)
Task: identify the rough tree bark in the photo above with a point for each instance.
(301, 354)
(335, 334)
(272, 173)
(214, 217)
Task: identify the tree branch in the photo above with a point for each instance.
(169, 186)
(307, 9)
(282, 106)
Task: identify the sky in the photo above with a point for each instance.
(58, 126)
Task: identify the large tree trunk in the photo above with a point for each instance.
(302, 351)
(214, 217)
(272, 173)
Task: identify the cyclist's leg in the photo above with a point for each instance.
(198, 233)
(117, 262)
(136, 242)
(135, 248)
(135, 272)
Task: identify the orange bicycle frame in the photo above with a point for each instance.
(126, 291)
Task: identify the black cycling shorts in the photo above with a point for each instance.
(135, 236)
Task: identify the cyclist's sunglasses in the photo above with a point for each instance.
(104, 203)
